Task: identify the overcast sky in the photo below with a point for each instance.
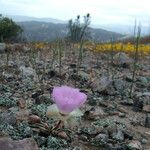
(102, 11)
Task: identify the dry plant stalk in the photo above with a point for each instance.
(136, 56)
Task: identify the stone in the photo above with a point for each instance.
(93, 101)
(116, 147)
(77, 148)
(21, 103)
(128, 78)
(22, 115)
(94, 113)
(12, 64)
(37, 94)
(142, 82)
(122, 115)
(128, 134)
(119, 136)
(14, 47)
(102, 137)
(2, 47)
(127, 102)
(34, 119)
(45, 98)
(122, 59)
(7, 75)
(119, 85)
(84, 76)
(146, 108)
(51, 74)
(100, 140)
(145, 97)
(63, 135)
(143, 94)
(137, 105)
(144, 141)
(28, 72)
(8, 117)
(25, 144)
(147, 120)
(136, 145)
(73, 66)
(104, 85)
(26, 49)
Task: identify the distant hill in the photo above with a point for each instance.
(127, 29)
(124, 29)
(18, 18)
(46, 31)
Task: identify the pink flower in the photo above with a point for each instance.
(67, 98)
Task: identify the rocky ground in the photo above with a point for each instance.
(114, 117)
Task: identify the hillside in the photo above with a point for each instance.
(46, 31)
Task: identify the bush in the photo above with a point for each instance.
(8, 29)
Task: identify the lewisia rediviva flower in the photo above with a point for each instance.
(67, 98)
(67, 101)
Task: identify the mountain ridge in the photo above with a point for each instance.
(46, 31)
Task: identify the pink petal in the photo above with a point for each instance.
(67, 98)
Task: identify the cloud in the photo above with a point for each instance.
(102, 11)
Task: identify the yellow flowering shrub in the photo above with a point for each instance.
(119, 47)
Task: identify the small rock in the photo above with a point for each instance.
(28, 72)
(22, 115)
(21, 103)
(144, 141)
(147, 120)
(8, 117)
(12, 64)
(119, 85)
(2, 47)
(26, 49)
(145, 97)
(63, 135)
(25, 144)
(139, 94)
(147, 133)
(34, 119)
(45, 98)
(146, 108)
(119, 136)
(111, 129)
(128, 134)
(51, 74)
(142, 82)
(92, 101)
(36, 95)
(77, 148)
(122, 115)
(8, 76)
(122, 59)
(100, 140)
(104, 85)
(14, 47)
(83, 138)
(138, 105)
(73, 65)
(127, 102)
(128, 78)
(94, 113)
(115, 147)
(84, 76)
(136, 145)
